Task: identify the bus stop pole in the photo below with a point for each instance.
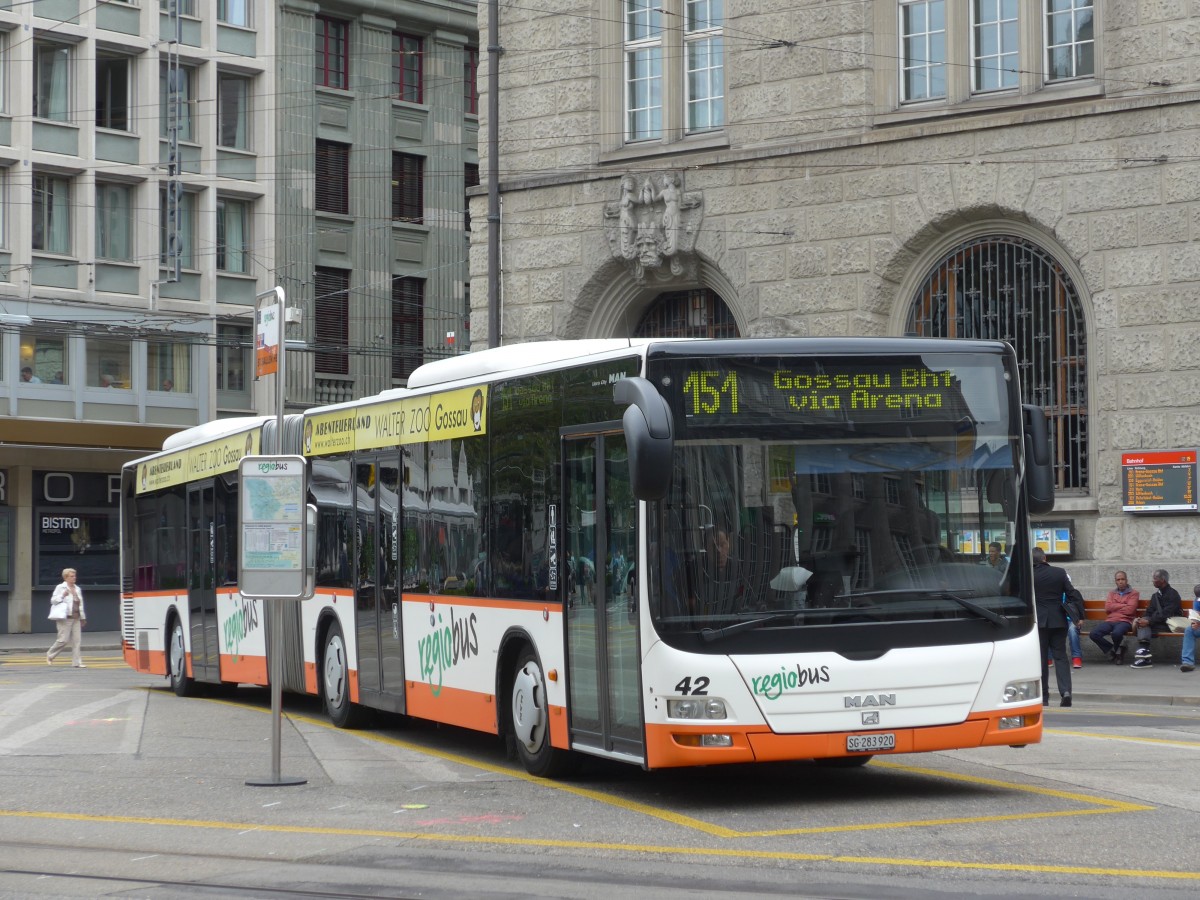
(274, 604)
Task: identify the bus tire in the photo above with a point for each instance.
(844, 762)
(335, 680)
(177, 662)
(530, 720)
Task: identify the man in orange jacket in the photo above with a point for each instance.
(1120, 611)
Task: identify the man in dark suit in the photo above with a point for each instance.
(1050, 585)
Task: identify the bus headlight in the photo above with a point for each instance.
(1022, 691)
(697, 708)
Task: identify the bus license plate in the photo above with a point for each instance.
(864, 742)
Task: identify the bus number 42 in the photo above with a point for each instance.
(699, 689)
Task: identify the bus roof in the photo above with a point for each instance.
(218, 428)
(513, 357)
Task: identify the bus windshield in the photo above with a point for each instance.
(838, 491)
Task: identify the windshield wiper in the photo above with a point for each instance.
(992, 616)
(715, 634)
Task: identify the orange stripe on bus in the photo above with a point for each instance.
(560, 735)
(310, 678)
(452, 706)
(244, 669)
(762, 745)
(148, 662)
(484, 602)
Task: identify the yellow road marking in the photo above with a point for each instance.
(478, 840)
(1099, 806)
(1105, 806)
(1124, 737)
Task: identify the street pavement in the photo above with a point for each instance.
(1097, 682)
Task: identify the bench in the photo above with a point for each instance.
(1093, 612)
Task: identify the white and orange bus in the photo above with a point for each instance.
(670, 553)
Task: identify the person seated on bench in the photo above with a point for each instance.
(1120, 609)
(1187, 662)
(1163, 604)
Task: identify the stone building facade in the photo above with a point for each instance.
(806, 167)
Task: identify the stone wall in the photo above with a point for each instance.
(820, 216)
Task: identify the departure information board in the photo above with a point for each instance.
(1159, 481)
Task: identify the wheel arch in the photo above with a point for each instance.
(512, 643)
(326, 619)
(172, 616)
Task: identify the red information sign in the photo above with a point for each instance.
(1159, 481)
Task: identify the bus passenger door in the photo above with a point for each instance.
(380, 647)
(600, 558)
(202, 594)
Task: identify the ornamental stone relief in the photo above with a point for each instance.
(653, 226)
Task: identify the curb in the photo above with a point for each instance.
(1134, 699)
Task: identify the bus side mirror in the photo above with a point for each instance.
(648, 435)
(1039, 462)
(310, 551)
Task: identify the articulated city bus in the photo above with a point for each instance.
(669, 553)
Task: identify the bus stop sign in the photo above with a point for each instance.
(272, 563)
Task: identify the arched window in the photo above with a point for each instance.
(698, 313)
(1007, 288)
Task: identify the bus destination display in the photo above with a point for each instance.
(1159, 481)
(730, 392)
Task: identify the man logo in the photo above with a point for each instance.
(871, 718)
(865, 701)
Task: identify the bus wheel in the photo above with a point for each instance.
(531, 720)
(177, 662)
(335, 680)
(844, 762)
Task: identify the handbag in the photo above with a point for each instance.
(1072, 602)
(1178, 624)
(59, 607)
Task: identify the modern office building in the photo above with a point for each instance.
(161, 165)
(1021, 170)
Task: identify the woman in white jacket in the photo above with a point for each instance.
(66, 611)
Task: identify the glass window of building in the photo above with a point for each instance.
(657, 102)
(331, 46)
(4, 276)
(332, 164)
(185, 7)
(408, 188)
(234, 12)
(169, 366)
(996, 45)
(471, 80)
(923, 49)
(233, 235)
(51, 81)
(408, 53)
(233, 111)
(43, 358)
(408, 332)
(108, 364)
(51, 213)
(233, 365)
(470, 180)
(999, 46)
(113, 218)
(1070, 41)
(112, 92)
(331, 320)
